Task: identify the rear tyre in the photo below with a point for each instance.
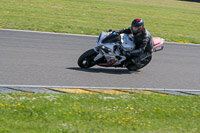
(132, 67)
(143, 63)
(86, 59)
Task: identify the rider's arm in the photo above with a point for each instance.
(127, 31)
(141, 49)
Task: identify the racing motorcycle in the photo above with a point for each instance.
(109, 52)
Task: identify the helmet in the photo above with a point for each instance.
(137, 25)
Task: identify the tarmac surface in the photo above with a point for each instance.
(32, 58)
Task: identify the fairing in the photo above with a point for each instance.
(157, 43)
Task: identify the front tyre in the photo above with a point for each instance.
(86, 60)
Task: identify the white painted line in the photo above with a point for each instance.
(81, 35)
(191, 44)
(89, 87)
(53, 33)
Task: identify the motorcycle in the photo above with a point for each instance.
(109, 52)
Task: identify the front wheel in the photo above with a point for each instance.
(86, 59)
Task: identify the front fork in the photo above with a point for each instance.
(100, 54)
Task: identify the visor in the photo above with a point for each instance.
(135, 28)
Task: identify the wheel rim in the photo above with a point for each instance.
(145, 62)
(85, 62)
(88, 62)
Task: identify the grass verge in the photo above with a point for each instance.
(173, 20)
(27, 112)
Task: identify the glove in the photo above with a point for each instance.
(115, 33)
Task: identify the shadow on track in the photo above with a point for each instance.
(103, 70)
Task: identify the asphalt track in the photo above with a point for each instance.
(28, 58)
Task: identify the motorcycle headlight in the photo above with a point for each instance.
(106, 49)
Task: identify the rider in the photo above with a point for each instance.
(142, 40)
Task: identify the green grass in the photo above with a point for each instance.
(86, 113)
(173, 20)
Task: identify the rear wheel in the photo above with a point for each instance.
(132, 67)
(143, 63)
(86, 59)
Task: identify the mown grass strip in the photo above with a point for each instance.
(34, 112)
(173, 20)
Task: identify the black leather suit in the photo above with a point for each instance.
(144, 44)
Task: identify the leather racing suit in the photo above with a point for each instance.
(144, 45)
